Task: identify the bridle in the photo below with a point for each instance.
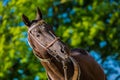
(46, 48)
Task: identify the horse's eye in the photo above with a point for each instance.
(37, 35)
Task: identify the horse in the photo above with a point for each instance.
(60, 62)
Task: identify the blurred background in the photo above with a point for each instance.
(93, 25)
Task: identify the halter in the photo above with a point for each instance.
(46, 48)
(50, 44)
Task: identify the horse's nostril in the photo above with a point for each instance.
(62, 51)
(37, 35)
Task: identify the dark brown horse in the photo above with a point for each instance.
(60, 62)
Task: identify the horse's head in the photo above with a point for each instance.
(42, 38)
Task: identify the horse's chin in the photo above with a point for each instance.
(64, 56)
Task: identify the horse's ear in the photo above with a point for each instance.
(26, 20)
(39, 14)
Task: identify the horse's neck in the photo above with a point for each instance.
(55, 70)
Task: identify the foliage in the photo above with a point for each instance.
(89, 24)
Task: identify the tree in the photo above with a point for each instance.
(92, 25)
